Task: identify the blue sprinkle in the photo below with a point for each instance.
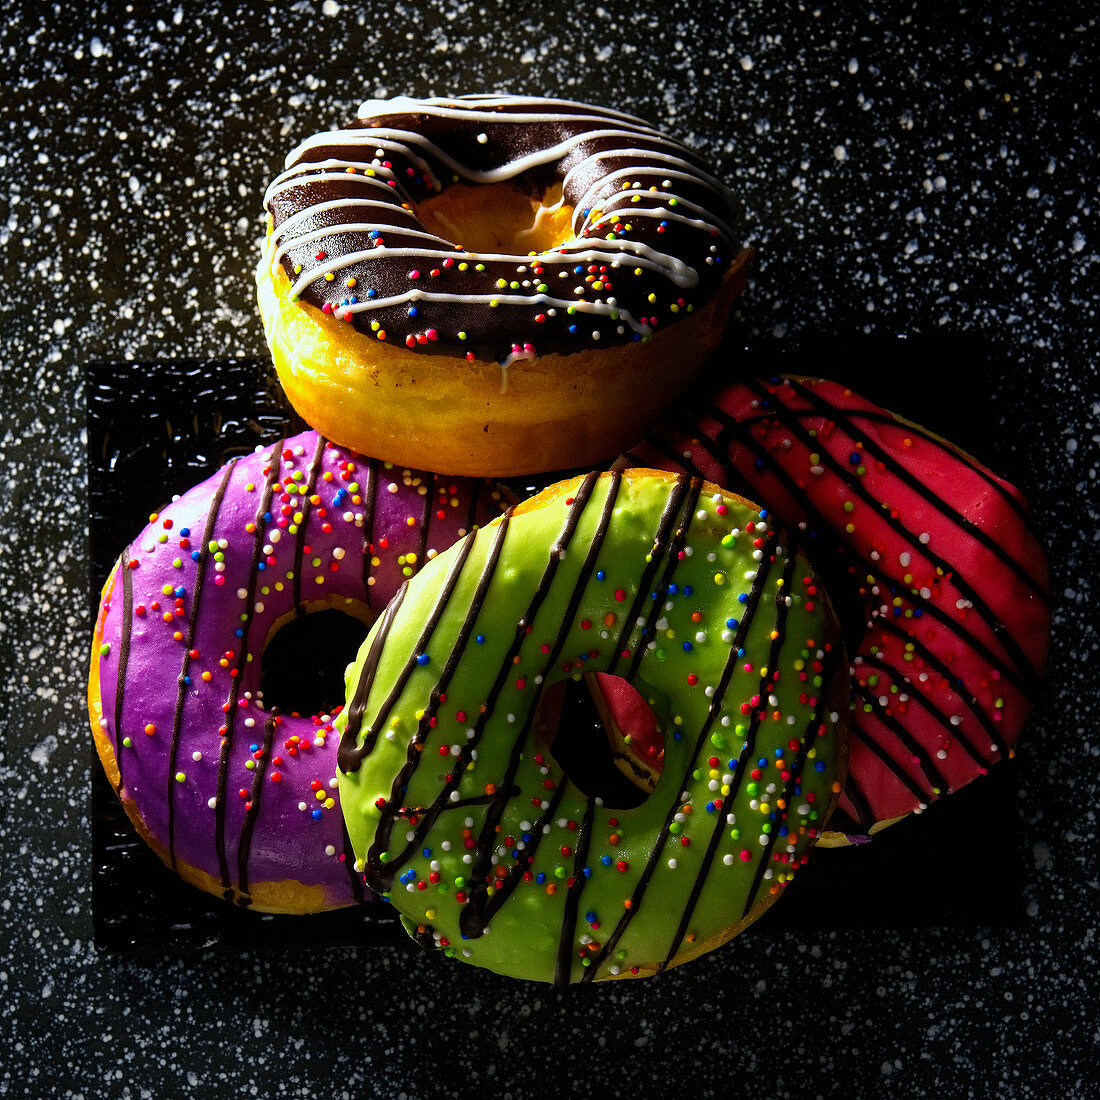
(427, 853)
(763, 513)
(184, 532)
(480, 639)
(732, 624)
(600, 574)
(413, 311)
(784, 830)
(540, 878)
(316, 815)
(605, 860)
(688, 590)
(187, 679)
(819, 765)
(759, 464)
(578, 270)
(779, 753)
(374, 234)
(762, 762)
(590, 916)
(180, 592)
(195, 555)
(572, 328)
(588, 872)
(253, 748)
(677, 735)
(267, 517)
(917, 613)
(526, 838)
(673, 589)
(854, 458)
(710, 807)
(239, 632)
(688, 647)
(743, 598)
(741, 652)
(423, 659)
(261, 566)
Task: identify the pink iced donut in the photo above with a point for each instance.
(930, 558)
(237, 798)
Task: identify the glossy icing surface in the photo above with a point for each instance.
(469, 825)
(930, 558)
(222, 783)
(652, 230)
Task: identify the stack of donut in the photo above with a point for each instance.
(486, 286)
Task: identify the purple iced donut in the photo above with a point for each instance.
(235, 796)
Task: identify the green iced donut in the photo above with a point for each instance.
(458, 814)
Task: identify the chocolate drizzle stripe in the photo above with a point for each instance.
(123, 658)
(366, 679)
(355, 878)
(563, 964)
(380, 875)
(660, 592)
(300, 534)
(252, 809)
(861, 734)
(732, 660)
(747, 751)
(860, 805)
(426, 519)
(669, 517)
(220, 807)
(475, 924)
(348, 756)
(369, 505)
(192, 620)
(793, 785)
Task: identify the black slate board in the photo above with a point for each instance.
(956, 865)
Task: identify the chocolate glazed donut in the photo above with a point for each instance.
(651, 227)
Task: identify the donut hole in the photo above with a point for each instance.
(499, 217)
(303, 663)
(604, 736)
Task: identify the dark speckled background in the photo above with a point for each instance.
(906, 173)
